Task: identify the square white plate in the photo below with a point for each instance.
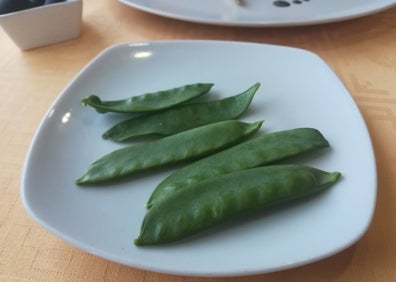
(297, 90)
(261, 12)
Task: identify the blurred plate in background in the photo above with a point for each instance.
(261, 12)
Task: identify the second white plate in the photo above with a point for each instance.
(261, 12)
(297, 90)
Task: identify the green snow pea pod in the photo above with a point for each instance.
(183, 117)
(207, 203)
(186, 145)
(258, 151)
(153, 101)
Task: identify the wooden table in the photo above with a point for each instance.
(361, 51)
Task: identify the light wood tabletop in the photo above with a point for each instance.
(362, 52)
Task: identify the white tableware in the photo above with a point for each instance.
(261, 12)
(43, 25)
(297, 89)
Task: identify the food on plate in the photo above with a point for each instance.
(190, 144)
(183, 117)
(208, 203)
(229, 176)
(153, 101)
(258, 151)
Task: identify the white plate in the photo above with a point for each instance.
(261, 12)
(298, 90)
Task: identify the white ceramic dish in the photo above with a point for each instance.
(43, 25)
(261, 13)
(298, 90)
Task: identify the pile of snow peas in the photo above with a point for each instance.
(232, 172)
(199, 129)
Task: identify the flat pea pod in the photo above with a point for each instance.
(207, 203)
(183, 117)
(186, 145)
(258, 151)
(152, 101)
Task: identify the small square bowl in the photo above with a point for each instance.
(43, 25)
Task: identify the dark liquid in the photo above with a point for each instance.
(281, 4)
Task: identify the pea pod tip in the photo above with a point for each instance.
(81, 180)
(138, 242)
(336, 175)
(258, 123)
(90, 99)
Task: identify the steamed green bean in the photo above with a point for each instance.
(193, 143)
(258, 151)
(202, 205)
(183, 117)
(153, 101)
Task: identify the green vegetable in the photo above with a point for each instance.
(182, 118)
(186, 145)
(210, 202)
(151, 101)
(258, 151)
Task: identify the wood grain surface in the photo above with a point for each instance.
(361, 51)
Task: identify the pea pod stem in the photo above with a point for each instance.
(148, 102)
(257, 151)
(183, 117)
(186, 145)
(207, 203)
